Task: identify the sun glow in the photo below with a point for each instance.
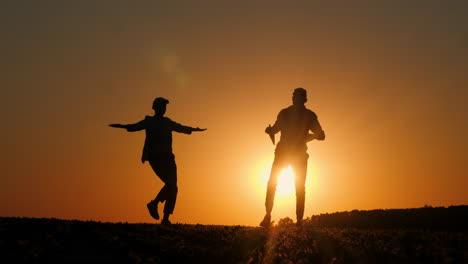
(285, 185)
(285, 189)
(285, 197)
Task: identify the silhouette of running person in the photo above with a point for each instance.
(158, 151)
(294, 123)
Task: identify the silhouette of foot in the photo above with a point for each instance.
(153, 209)
(266, 222)
(166, 222)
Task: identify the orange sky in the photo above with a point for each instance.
(388, 82)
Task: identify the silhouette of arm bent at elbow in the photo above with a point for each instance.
(276, 126)
(318, 134)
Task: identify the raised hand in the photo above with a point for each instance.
(199, 129)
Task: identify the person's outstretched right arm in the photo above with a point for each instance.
(185, 129)
(131, 127)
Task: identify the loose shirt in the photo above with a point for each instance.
(158, 139)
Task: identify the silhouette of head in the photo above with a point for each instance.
(159, 106)
(299, 96)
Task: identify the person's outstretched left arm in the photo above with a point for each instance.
(185, 129)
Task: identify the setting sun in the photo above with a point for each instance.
(285, 197)
(285, 186)
(285, 190)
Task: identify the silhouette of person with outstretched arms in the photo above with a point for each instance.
(158, 151)
(294, 123)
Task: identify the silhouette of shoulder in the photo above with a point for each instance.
(311, 113)
(284, 112)
(288, 110)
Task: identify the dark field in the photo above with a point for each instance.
(38, 240)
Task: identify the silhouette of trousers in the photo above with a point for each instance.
(298, 163)
(165, 168)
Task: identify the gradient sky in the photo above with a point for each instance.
(387, 79)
